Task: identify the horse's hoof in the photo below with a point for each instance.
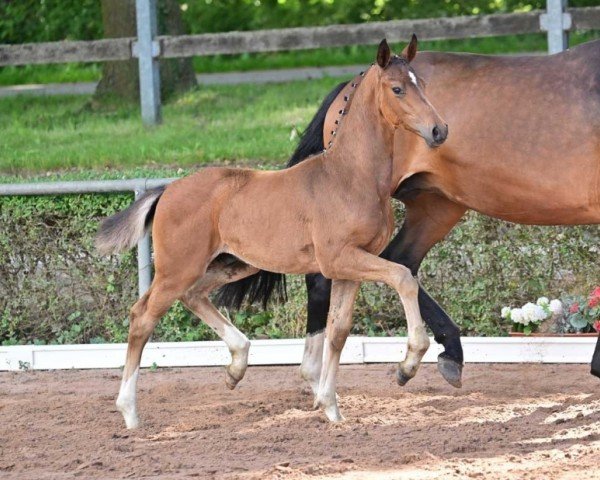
(331, 410)
(451, 370)
(132, 421)
(230, 380)
(333, 414)
(595, 373)
(402, 378)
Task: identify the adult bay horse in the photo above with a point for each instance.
(525, 147)
(329, 214)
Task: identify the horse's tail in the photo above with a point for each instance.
(262, 285)
(124, 229)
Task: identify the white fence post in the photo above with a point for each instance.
(557, 23)
(147, 49)
(144, 257)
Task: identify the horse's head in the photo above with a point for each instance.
(402, 100)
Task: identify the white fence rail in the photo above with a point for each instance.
(137, 186)
(289, 352)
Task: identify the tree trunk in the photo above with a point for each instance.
(120, 80)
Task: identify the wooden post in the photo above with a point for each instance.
(147, 50)
(557, 23)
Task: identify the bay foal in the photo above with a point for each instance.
(329, 214)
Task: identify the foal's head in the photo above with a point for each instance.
(402, 100)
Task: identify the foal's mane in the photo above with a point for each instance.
(311, 140)
(344, 111)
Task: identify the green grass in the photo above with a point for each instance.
(303, 58)
(245, 124)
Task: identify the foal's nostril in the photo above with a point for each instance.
(439, 134)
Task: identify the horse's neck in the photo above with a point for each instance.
(363, 146)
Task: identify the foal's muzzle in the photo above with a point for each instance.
(437, 136)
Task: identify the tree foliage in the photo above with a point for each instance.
(25, 21)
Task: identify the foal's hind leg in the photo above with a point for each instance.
(144, 316)
(196, 299)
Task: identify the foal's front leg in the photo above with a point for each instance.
(339, 323)
(358, 265)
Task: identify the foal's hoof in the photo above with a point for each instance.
(129, 414)
(402, 378)
(230, 380)
(331, 410)
(333, 414)
(451, 370)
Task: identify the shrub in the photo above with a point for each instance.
(51, 20)
(55, 289)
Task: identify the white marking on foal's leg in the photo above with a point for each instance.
(239, 346)
(312, 361)
(126, 400)
(326, 397)
(418, 341)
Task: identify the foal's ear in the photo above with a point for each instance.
(383, 54)
(410, 50)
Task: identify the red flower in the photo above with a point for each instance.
(574, 308)
(594, 301)
(597, 325)
(596, 292)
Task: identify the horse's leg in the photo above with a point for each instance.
(319, 291)
(356, 265)
(196, 299)
(596, 359)
(343, 294)
(429, 217)
(144, 316)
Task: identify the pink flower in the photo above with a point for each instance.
(596, 292)
(594, 301)
(574, 308)
(597, 325)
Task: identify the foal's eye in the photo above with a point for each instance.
(397, 90)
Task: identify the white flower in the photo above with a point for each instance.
(556, 307)
(505, 312)
(528, 313)
(540, 313)
(516, 314)
(533, 313)
(543, 301)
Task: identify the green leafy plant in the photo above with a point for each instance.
(54, 288)
(583, 312)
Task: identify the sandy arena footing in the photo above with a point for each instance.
(507, 422)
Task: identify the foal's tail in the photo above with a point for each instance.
(124, 229)
(261, 286)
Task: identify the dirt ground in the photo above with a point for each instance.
(507, 422)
